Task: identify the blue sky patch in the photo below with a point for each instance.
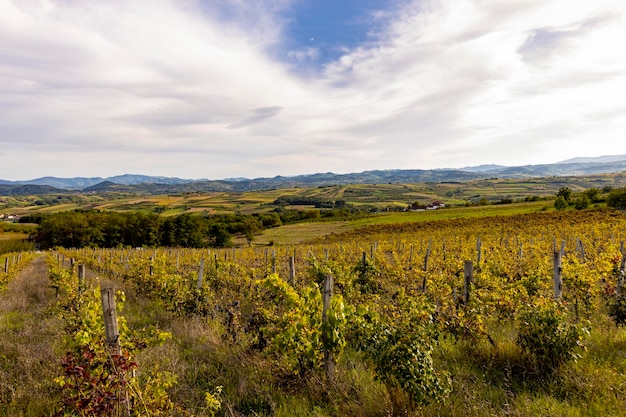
(320, 31)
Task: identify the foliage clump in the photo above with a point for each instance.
(294, 327)
(547, 336)
(402, 350)
(617, 308)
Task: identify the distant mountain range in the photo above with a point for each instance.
(161, 185)
(585, 159)
(79, 183)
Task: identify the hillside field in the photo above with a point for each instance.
(380, 197)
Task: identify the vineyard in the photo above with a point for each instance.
(518, 315)
(10, 264)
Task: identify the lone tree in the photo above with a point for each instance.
(617, 199)
(566, 193)
(250, 228)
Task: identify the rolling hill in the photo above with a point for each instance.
(160, 185)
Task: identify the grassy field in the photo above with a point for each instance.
(12, 236)
(302, 232)
(15, 231)
(15, 240)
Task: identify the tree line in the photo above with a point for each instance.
(615, 198)
(95, 228)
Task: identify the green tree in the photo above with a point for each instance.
(593, 194)
(617, 199)
(251, 226)
(582, 202)
(560, 203)
(219, 235)
(185, 230)
(566, 193)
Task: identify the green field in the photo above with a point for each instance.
(303, 232)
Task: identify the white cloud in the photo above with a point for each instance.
(187, 89)
(452, 72)
(305, 54)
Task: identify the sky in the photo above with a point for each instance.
(258, 88)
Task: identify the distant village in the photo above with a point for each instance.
(8, 217)
(432, 206)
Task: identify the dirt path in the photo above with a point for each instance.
(29, 332)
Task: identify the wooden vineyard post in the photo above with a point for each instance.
(292, 270)
(151, 265)
(581, 249)
(110, 329)
(558, 279)
(81, 278)
(468, 274)
(329, 360)
(110, 319)
(200, 274)
(426, 268)
(6, 265)
(273, 262)
(478, 251)
(622, 273)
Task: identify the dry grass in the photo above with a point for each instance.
(12, 236)
(298, 233)
(28, 361)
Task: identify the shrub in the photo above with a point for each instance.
(294, 327)
(402, 352)
(547, 336)
(582, 202)
(560, 203)
(617, 199)
(617, 308)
